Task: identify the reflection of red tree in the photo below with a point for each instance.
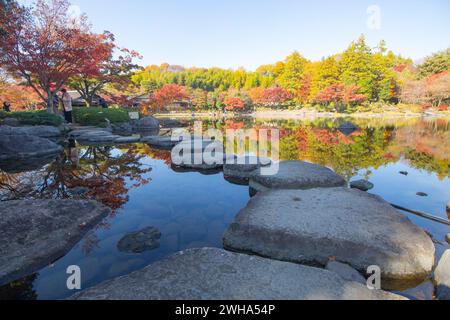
(235, 125)
(331, 137)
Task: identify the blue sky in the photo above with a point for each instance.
(249, 33)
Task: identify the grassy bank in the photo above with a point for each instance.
(97, 116)
(33, 118)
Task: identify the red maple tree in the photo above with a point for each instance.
(168, 95)
(46, 46)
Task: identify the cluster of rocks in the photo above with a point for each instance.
(25, 143)
(305, 231)
(147, 124)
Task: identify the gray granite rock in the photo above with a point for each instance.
(243, 167)
(20, 146)
(125, 140)
(12, 122)
(34, 233)
(215, 274)
(161, 142)
(310, 226)
(147, 123)
(36, 131)
(346, 272)
(296, 175)
(137, 242)
(362, 185)
(442, 277)
(199, 155)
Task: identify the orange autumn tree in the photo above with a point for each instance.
(234, 104)
(45, 46)
(167, 95)
(20, 97)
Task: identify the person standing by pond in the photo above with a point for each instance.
(6, 107)
(102, 102)
(67, 105)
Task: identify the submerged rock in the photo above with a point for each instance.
(448, 208)
(34, 233)
(215, 274)
(362, 185)
(297, 175)
(346, 272)
(405, 173)
(137, 242)
(442, 277)
(310, 226)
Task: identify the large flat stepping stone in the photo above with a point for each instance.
(244, 166)
(350, 226)
(37, 131)
(161, 142)
(296, 175)
(200, 155)
(199, 145)
(215, 274)
(26, 147)
(34, 233)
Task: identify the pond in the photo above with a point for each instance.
(402, 157)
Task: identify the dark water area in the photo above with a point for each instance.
(193, 209)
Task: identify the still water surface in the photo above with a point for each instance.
(193, 209)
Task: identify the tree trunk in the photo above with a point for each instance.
(50, 105)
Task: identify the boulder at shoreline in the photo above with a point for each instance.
(215, 274)
(353, 227)
(34, 233)
(296, 175)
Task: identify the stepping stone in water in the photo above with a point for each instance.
(309, 226)
(442, 277)
(422, 194)
(239, 171)
(34, 233)
(362, 185)
(125, 140)
(297, 175)
(160, 142)
(215, 274)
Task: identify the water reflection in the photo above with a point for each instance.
(193, 209)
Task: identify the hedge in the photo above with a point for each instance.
(97, 116)
(34, 118)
